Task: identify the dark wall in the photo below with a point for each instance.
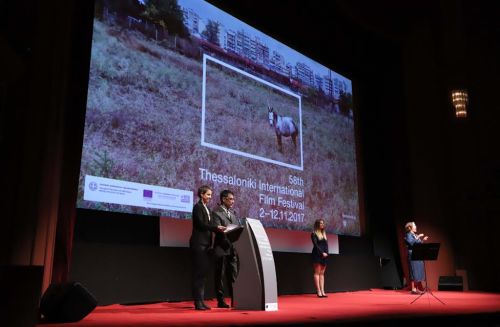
(118, 259)
(475, 162)
(454, 169)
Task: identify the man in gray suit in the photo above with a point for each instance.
(224, 251)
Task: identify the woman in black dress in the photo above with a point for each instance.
(319, 255)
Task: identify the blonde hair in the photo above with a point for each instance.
(321, 234)
(409, 226)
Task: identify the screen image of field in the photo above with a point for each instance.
(167, 113)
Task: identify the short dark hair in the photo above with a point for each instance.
(224, 194)
(203, 189)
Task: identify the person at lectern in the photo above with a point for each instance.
(319, 256)
(200, 243)
(417, 271)
(226, 269)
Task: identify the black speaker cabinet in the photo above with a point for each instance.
(67, 302)
(450, 283)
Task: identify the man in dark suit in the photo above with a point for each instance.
(224, 251)
(199, 243)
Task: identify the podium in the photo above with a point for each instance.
(425, 252)
(256, 287)
(233, 232)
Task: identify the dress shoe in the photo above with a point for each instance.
(205, 306)
(222, 304)
(324, 295)
(198, 305)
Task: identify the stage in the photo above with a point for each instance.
(372, 307)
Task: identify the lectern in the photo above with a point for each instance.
(255, 288)
(425, 252)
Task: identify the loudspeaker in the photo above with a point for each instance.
(66, 302)
(450, 283)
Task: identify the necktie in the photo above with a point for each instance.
(228, 214)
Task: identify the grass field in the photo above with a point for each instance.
(143, 125)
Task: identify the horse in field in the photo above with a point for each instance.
(283, 126)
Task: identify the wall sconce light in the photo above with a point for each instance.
(460, 99)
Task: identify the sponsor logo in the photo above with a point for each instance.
(93, 186)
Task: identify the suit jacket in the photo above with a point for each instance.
(201, 235)
(222, 245)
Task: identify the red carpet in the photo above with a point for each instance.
(351, 308)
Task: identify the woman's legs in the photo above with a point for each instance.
(322, 279)
(415, 287)
(317, 271)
